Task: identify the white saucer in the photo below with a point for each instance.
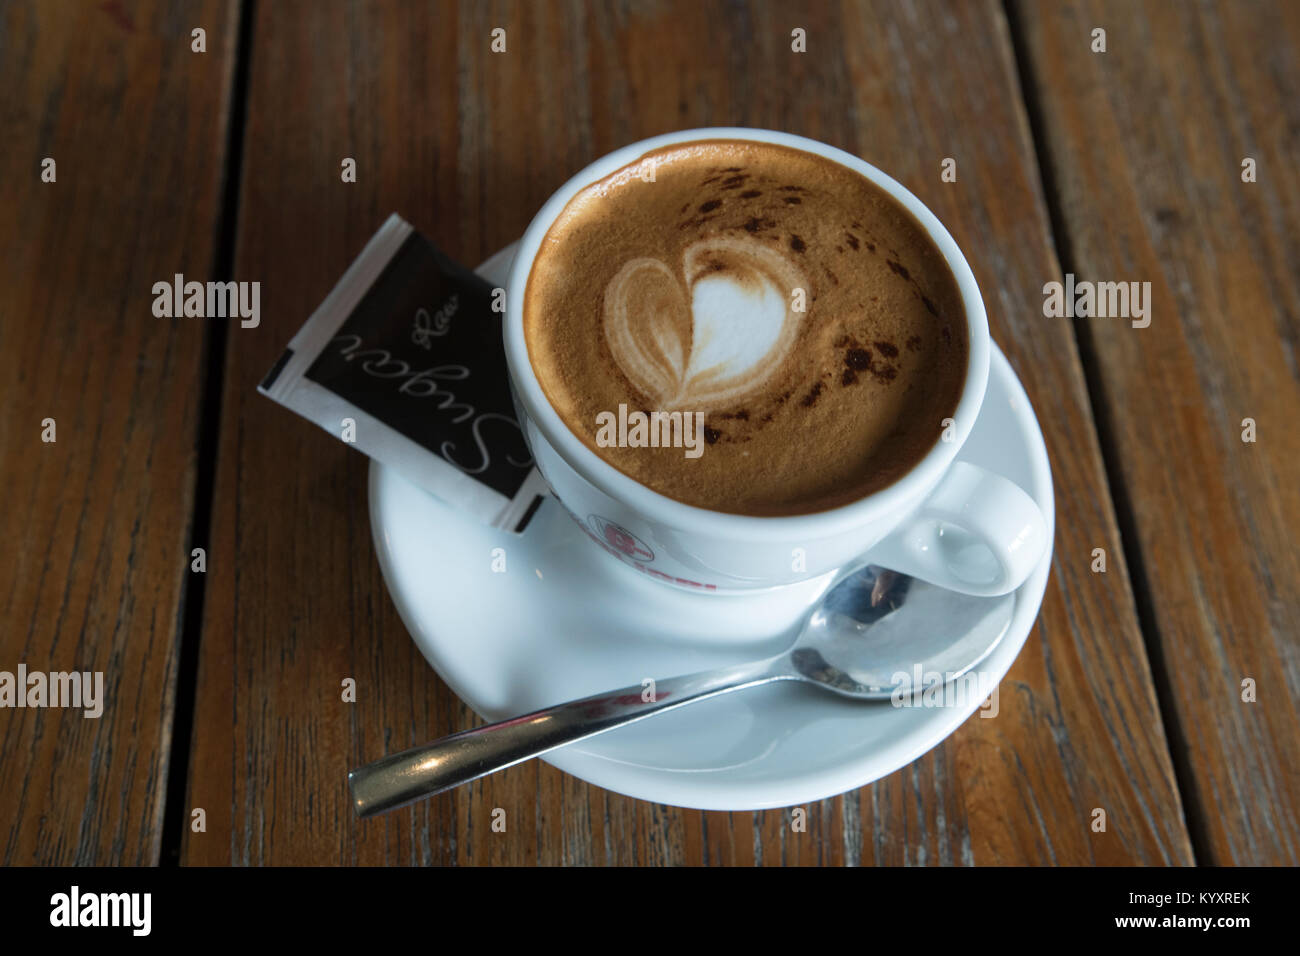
(565, 620)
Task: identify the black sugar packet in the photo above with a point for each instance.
(405, 361)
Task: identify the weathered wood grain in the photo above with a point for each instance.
(1145, 144)
(94, 532)
(467, 144)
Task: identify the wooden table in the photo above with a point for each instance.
(223, 686)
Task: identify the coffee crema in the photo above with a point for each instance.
(791, 300)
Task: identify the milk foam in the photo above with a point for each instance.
(716, 341)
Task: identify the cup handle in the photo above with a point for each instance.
(977, 533)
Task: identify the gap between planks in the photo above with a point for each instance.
(1130, 542)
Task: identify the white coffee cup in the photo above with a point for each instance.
(947, 522)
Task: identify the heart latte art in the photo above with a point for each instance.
(785, 299)
(712, 341)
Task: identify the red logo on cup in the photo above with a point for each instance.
(620, 539)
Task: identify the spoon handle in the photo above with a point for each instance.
(399, 779)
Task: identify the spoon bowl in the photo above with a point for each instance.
(879, 634)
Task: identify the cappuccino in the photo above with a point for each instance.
(790, 301)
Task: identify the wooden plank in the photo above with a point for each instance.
(468, 144)
(95, 530)
(1146, 144)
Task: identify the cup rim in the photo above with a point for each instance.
(901, 494)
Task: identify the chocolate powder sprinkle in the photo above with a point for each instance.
(859, 359)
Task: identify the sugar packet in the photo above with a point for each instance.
(404, 360)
